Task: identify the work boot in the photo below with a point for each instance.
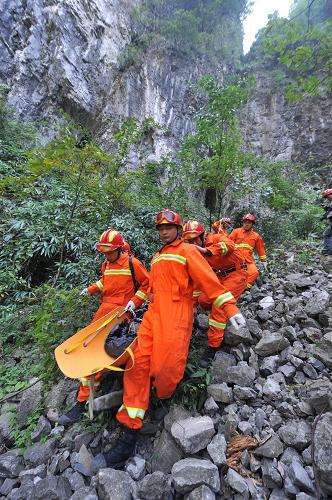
(73, 415)
(117, 456)
(208, 356)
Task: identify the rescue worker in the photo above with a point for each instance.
(327, 246)
(222, 225)
(164, 334)
(116, 288)
(229, 265)
(248, 240)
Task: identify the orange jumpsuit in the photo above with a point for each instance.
(248, 241)
(116, 287)
(229, 265)
(165, 332)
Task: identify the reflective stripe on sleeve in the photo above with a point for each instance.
(171, 257)
(224, 297)
(100, 285)
(197, 293)
(117, 272)
(141, 295)
(223, 248)
(262, 258)
(212, 322)
(244, 245)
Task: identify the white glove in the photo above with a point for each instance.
(264, 264)
(130, 307)
(237, 321)
(84, 292)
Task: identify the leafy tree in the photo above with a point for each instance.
(299, 48)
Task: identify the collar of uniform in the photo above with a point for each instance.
(174, 243)
(119, 262)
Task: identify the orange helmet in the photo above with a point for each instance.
(249, 217)
(327, 192)
(192, 229)
(110, 240)
(166, 216)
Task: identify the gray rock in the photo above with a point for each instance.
(82, 461)
(289, 455)
(53, 487)
(11, 464)
(189, 473)
(175, 414)
(114, 485)
(245, 428)
(5, 429)
(40, 453)
(235, 337)
(43, 429)
(299, 280)
(211, 407)
(272, 390)
(108, 401)
(318, 303)
(323, 451)
(236, 482)
(271, 343)
(30, 474)
(193, 434)
(165, 453)
(84, 438)
(57, 395)
(203, 321)
(75, 479)
(272, 448)
(220, 365)
(270, 473)
(30, 400)
(307, 455)
(85, 493)
(267, 302)
(269, 365)
(25, 492)
(278, 494)
(154, 486)
(221, 393)
(201, 493)
(254, 327)
(309, 371)
(244, 393)
(241, 374)
(300, 478)
(7, 486)
(296, 434)
(217, 450)
(288, 370)
(304, 496)
(319, 395)
(289, 487)
(136, 467)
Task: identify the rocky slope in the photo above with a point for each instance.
(264, 431)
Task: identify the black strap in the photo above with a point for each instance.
(132, 270)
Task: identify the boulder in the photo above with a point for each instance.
(53, 487)
(201, 493)
(30, 400)
(323, 451)
(217, 450)
(165, 453)
(271, 343)
(296, 434)
(237, 482)
(40, 453)
(189, 473)
(220, 393)
(114, 485)
(155, 486)
(272, 448)
(241, 374)
(11, 464)
(193, 434)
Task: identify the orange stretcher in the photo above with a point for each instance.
(83, 354)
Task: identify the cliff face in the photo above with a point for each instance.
(298, 132)
(69, 56)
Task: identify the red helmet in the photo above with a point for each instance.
(166, 216)
(192, 229)
(126, 247)
(110, 240)
(249, 217)
(327, 192)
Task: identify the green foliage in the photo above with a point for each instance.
(212, 157)
(22, 436)
(300, 47)
(189, 28)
